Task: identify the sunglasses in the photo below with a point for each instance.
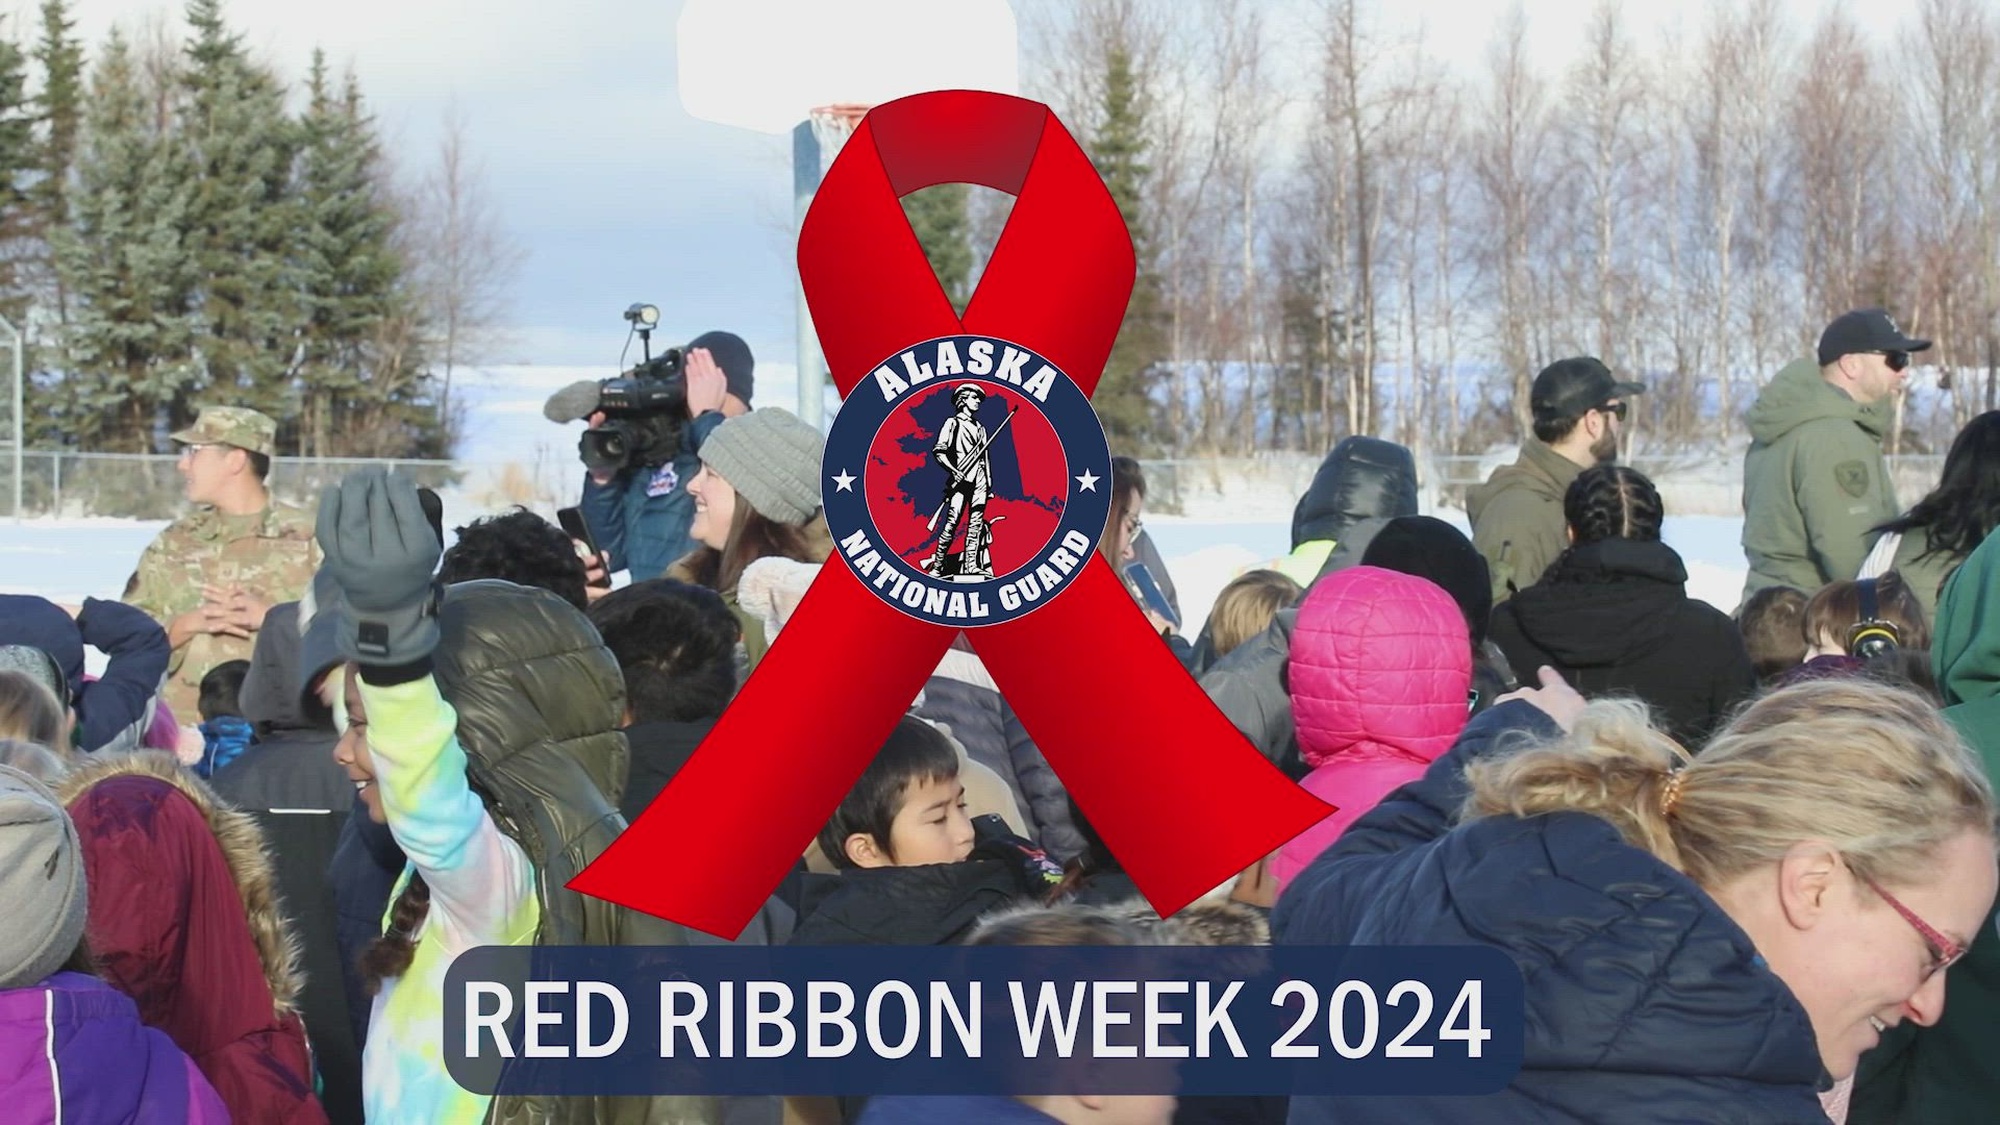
(1617, 410)
(1896, 360)
(1944, 951)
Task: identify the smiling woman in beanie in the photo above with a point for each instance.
(71, 1046)
(756, 497)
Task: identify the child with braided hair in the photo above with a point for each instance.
(482, 730)
(1613, 616)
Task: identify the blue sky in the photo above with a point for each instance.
(613, 190)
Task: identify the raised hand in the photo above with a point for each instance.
(382, 553)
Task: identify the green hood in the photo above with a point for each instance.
(1797, 395)
(1966, 649)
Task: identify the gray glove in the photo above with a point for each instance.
(381, 553)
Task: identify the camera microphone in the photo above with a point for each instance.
(578, 400)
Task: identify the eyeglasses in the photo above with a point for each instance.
(1896, 360)
(1944, 951)
(1617, 410)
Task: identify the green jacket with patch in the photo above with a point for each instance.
(1517, 516)
(1813, 482)
(1945, 1074)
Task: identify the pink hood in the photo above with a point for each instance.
(1380, 671)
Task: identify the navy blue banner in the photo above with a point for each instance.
(996, 1020)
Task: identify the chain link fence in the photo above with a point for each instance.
(1263, 487)
(1266, 486)
(148, 486)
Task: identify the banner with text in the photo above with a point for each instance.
(986, 1019)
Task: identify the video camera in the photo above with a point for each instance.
(644, 409)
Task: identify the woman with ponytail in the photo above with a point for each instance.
(1711, 939)
(1613, 616)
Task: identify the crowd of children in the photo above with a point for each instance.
(1734, 856)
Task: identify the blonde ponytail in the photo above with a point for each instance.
(1873, 770)
(1614, 765)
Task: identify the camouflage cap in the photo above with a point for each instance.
(232, 425)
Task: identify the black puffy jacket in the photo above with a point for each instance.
(1614, 618)
(1364, 483)
(1647, 1004)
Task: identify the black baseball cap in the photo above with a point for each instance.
(733, 356)
(1571, 388)
(1865, 330)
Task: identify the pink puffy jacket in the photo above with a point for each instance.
(1380, 673)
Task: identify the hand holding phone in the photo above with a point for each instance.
(1151, 595)
(577, 528)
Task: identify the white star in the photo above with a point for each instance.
(1088, 481)
(844, 482)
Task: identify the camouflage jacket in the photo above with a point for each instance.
(272, 554)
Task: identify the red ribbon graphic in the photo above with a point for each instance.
(1176, 792)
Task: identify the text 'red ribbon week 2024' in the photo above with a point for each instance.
(1175, 791)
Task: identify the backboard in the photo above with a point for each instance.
(764, 64)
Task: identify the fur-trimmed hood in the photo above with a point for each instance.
(243, 849)
(1208, 921)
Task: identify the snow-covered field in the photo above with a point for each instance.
(1234, 524)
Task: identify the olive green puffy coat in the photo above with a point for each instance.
(539, 701)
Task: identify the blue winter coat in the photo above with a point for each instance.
(642, 518)
(1646, 1004)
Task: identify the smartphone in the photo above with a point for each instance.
(1149, 590)
(578, 528)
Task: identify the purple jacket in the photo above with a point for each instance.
(72, 1049)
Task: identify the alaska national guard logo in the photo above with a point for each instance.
(1852, 477)
(966, 481)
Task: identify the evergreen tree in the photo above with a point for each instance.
(59, 112)
(938, 216)
(240, 145)
(1123, 398)
(122, 258)
(361, 378)
(19, 233)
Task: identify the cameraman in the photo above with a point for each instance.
(640, 515)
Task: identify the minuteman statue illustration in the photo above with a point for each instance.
(962, 448)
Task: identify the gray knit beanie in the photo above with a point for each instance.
(771, 458)
(41, 882)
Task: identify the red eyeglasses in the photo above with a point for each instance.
(1944, 951)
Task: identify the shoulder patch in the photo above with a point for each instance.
(1852, 476)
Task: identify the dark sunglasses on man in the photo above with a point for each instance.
(1617, 410)
(1896, 360)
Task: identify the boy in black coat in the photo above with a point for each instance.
(914, 869)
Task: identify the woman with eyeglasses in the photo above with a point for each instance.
(1119, 546)
(1713, 938)
(1927, 543)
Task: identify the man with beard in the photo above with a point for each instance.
(1815, 488)
(1517, 515)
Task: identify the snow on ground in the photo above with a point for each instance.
(1238, 515)
(70, 559)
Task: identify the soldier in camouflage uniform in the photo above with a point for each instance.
(210, 576)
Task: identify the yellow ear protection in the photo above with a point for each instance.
(1871, 636)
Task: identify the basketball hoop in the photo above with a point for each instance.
(832, 125)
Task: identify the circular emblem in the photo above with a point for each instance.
(966, 481)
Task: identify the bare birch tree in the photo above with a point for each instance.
(1510, 154)
(467, 262)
